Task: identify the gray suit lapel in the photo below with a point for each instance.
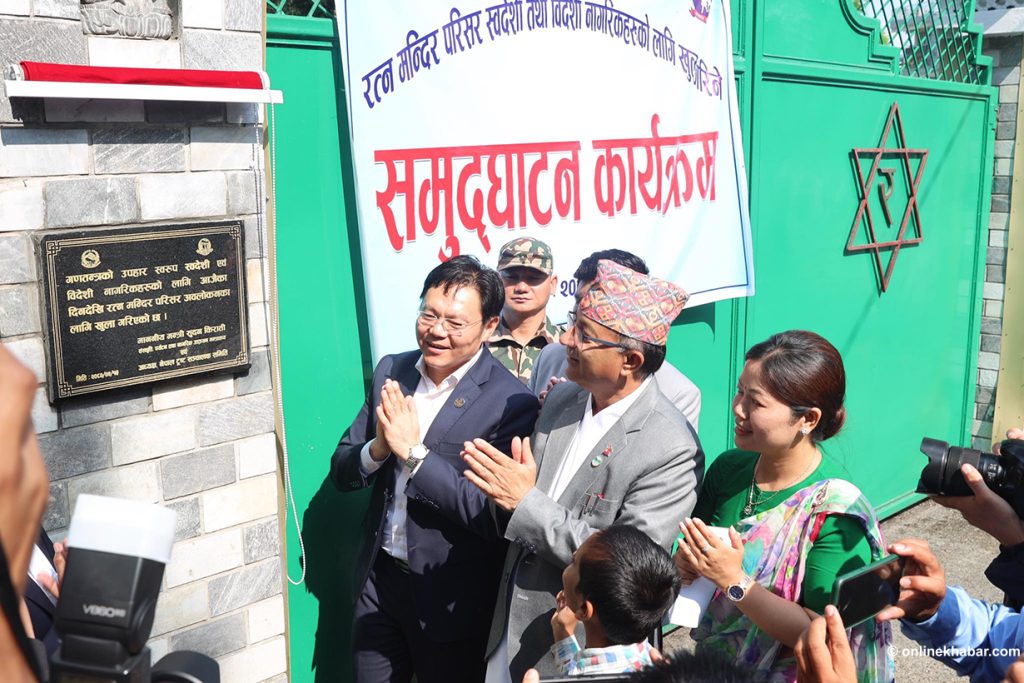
(560, 439)
(614, 443)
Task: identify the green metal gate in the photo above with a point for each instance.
(816, 80)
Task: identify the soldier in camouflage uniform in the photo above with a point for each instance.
(527, 269)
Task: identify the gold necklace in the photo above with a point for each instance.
(748, 509)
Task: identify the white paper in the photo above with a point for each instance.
(694, 599)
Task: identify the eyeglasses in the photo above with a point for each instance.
(583, 338)
(454, 328)
(528, 275)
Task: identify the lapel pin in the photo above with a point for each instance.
(598, 459)
(459, 402)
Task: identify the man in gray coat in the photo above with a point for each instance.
(608, 448)
(551, 362)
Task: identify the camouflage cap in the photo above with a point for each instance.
(528, 253)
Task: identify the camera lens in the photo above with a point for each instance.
(942, 476)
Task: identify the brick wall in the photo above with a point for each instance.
(202, 446)
(1006, 59)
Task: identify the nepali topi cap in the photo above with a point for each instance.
(528, 253)
(638, 306)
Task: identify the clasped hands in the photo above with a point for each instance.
(702, 553)
(505, 480)
(398, 424)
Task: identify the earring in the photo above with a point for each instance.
(804, 431)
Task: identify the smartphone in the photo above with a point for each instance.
(863, 593)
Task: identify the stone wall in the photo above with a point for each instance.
(204, 446)
(1006, 60)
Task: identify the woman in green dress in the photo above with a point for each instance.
(796, 522)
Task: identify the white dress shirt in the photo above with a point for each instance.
(590, 430)
(429, 399)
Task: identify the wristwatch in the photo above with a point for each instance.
(738, 591)
(417, 454)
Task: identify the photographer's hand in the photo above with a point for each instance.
(1015, 674)
(923, 586)
(986, 510)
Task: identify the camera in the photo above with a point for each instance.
(1002, 472)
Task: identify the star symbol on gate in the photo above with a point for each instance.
(903, 155)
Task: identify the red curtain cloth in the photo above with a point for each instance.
(69, 73)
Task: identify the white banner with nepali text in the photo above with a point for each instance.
(588, 125)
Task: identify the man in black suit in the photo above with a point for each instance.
(427, 575)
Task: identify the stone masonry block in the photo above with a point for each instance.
(192, 391)
(244, 15)
(93, 408)
(202, 13)
(256, 664)
(1001, 184)
(997, 238)
(29, 353)
(17, 264)
(71, 452)
(987, 378)
(138, 482)
(204, 556)
(255, 232)
(180, 607)
(22, 7)
(258, 332)
(57, 515)
(982, 429)
(158, 647)
(21, 205)
(186, 195)
(244, 587)
(139, 150)
(218, 50)
(993, 291)
(995, 274)
(261, 541)
(1004, 149)
(988, 361)
(241, 192)
(248, 500)
(254, 292)
(43, 152)
(998, 221)
(993, 309)
(151, 54)
(19, 310)
(1006, 75)
(983, 412)
(1010, 52)
(214, 638)
(236, 418)
(984, 395)
(199, 471)
(258, 376)
(91, 201)
(996, 256)
(44, 416)
(1003, 167)
(1006, 112)
(71, 109)
(41, 41)
(61, 9)
(153, 435)
(1008, 93)
(222, 148)
(1006, 130)
(266, 619)
(187, 523)
(256, 455)
(991, 325)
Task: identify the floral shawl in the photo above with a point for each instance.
(776, 543)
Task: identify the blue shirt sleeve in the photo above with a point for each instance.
(974, 638)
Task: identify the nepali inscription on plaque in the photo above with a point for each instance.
(136, 305)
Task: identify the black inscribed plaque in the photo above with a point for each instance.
(130, 306)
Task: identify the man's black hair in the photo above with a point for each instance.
(702, 666)
(587, 269)
(630, 580)
(654, 355)
(467, 271)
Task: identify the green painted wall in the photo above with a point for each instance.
(813, 82)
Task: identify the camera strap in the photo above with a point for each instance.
(10, 601)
